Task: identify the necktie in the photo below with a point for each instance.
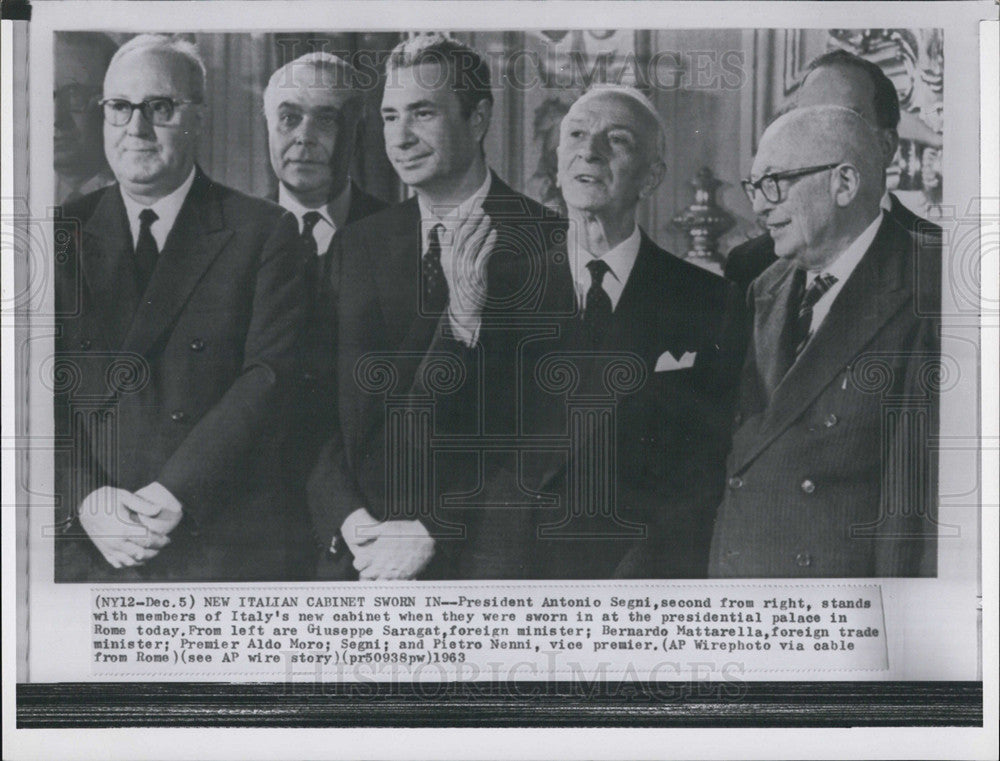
(146, 250)
(309, 247)
(803, 322)
(597, 310)
(434, 285)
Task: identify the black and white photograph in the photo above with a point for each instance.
(438, 364)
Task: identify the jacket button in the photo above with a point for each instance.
(177, 416)
(831, 420)
(808, 486)
(197, 345)
(735, 482)
(85, 344)
(738, 418)
(803, 559)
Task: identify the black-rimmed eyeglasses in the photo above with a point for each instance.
(157, 111)
(768, 184)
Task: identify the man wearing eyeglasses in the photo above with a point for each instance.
(181, 304)
(80, 61)
(840, 78)
(830, 473)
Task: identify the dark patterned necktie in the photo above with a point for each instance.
(433, 283)
(803, 323)
(146, 250)
(310, 250)
(597, 310)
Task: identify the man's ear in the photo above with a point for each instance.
(480, 118)
(888, 140)
(845, 183)
(654, 176)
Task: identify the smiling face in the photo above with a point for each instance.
(800, 222)
(607, 159)
(430, 143)
(312, 128)
(149, 161)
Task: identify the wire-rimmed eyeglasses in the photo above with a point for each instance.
(768, 184)
(157, 111)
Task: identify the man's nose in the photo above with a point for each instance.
(305, 134)
(761, 206)
(138, 124)
(400, 134)
(592, 147)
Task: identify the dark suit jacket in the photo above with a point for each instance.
(186, 384)
(315, 410)
(670, 430)
(376, 285)
(747, 260)
(831, 472)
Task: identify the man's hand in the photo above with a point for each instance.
(401, 551)
(359, 529)
(156, 508)
(473, 246)
(109, 517)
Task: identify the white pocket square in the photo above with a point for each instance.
(668, 361)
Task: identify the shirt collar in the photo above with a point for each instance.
(844, 265)
(334, 212)
(166, 208)
(620, 261)
(886, 202)
(453, 216)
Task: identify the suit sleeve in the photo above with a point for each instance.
(907, 532)
(223, 444)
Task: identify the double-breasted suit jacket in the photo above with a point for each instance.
(376, 282)
(831, 471)
(186, 384)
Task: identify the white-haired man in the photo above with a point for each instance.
(313, 107)
(831, 471)
(660, 467)
(182, 303)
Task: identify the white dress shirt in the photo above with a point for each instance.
(166, 209)
(841, 268)
(332, 216)
(620, 261)
(451, 218)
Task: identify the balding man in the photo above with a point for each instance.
(672, 322)
(182, 306)
(313, 107)
(830, 473)
(840, 78)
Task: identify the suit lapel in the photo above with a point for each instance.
(770, 320)
(876, 290)
(197, 237)
(106, 260)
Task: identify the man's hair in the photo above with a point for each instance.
(470, 74)
(176, 44)
(640, 99)
(341, 76)
(886, 97)
(99, 42)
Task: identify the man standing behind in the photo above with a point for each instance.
(830, 472)
(81, 58)
(679, 320)
(313, 107)
(839, 78)
(182, 304)
(414, 273)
